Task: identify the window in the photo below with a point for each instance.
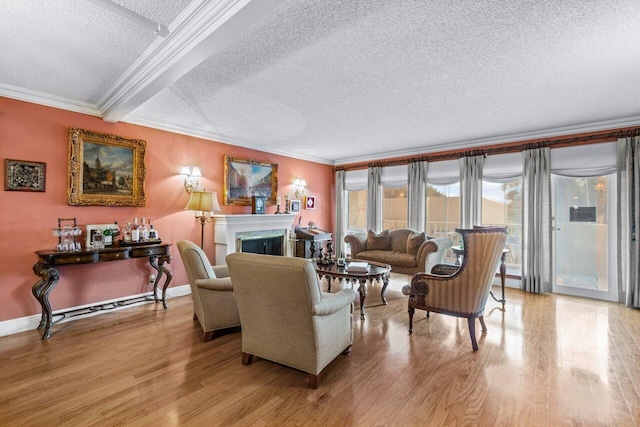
(502, 206)
(394, 208)
(443, 214)
(356, 211)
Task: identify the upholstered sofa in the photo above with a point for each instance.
(405, 250)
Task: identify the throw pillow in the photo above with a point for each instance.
(380, 241)
(414, 241)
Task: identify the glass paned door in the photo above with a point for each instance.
(584, 236)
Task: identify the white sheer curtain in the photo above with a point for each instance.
(628, 221)
(471, 190)
(536, 221)
(417, 195)
(341, 214)
(374, 199)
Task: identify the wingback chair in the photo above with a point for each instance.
(211, 290)
(285, 317)
(463, 293)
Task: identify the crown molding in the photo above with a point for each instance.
(141, 120)
(495, 140)
(41, 98)
(201, 30)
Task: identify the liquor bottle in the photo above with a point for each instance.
(126, 233)
(135, 230)
(144, 231)
(107, 237)
(153, 233)
(115, 232)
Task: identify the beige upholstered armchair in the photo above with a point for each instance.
(211, 290)
(285, 317)
(463, 293)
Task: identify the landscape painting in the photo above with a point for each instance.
(244, 178)
(105, 170)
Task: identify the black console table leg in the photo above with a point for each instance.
(48, 280)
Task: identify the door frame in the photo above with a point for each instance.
(612, 293)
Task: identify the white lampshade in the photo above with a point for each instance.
(203, 201)
(196, 171)
(185, 171)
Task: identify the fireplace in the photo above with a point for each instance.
(257, 233)
(268, 242)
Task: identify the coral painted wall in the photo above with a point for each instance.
(37, 133)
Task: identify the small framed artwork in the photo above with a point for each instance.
(22, 175)
(91, 232)
(295, 206)
(310, 202)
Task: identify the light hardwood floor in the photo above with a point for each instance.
(546, 360)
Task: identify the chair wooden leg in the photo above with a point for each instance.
(208, 336)
(472, 331)
(411, 311)
(247, 358)
(484, 327)
(347, 351)
(314, 381)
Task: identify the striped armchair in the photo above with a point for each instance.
(464, 292)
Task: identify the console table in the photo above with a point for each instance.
(48, 260)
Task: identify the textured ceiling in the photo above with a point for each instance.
(342, 81)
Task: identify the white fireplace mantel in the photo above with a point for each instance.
(226, 228)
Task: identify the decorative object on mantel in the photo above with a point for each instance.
(295, 206)
(244, 178)
(22, 175)
(258, 205)
(278, 201)
(287, 204)
(204, 203)
(310, 202)
(191, 178)
(105, 170)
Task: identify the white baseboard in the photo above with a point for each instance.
(28, 323)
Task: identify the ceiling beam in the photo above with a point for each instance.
(201, 30)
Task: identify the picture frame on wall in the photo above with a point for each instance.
(295, 206)
(21, 175)
(245, 178)
(105, 170)
(310, 202)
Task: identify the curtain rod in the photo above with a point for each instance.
(512, 147)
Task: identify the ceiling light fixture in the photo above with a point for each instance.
(158, 29)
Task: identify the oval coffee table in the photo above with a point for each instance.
(377, 271)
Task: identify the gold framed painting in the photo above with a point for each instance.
(245, 178)
(105, 170)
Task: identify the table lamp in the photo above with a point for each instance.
(204, 203)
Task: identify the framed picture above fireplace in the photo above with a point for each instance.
(245, 178)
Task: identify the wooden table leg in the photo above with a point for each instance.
(385, 281)
(362, 290)
(158, 264)
(48, 280)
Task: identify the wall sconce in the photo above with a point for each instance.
(191, 180)
(203, 203)
(300, 185)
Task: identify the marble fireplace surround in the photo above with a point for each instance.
(231, 229)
